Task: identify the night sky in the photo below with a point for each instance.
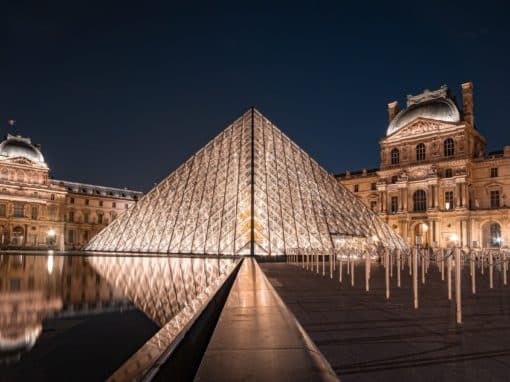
(121, 94)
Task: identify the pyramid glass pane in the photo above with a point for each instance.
(251, 190)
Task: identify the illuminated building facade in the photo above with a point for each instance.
(37, 212)
(250, 190)
(435, 180)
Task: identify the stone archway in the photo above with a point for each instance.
(491, 234)
(421, 229)
(18, 236)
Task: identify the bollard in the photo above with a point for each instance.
(449, 275)
(423, 264)
(387, 273)
(398, 254)
(352, 271)
(504, 268)
(491, 270)
(331, 264)
(340, 268)
(442, 263)
(473, 274)
(367, 271)
(458, 291)
(391, 264)
(415, 276)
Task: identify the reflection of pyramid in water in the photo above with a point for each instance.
(249, 190)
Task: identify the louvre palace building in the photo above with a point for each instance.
(37, 212)
(436, 183)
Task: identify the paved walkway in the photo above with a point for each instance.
(366, 338)
(258, 339)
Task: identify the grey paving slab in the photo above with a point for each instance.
(258, 339)
(367, 338)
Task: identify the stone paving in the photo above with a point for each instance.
(367, 338)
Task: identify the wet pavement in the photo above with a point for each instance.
(367, 338)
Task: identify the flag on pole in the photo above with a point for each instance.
(11, 122)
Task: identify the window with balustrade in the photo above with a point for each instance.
(420, 152)
(449, 147)
(395, 156)
(420, 201)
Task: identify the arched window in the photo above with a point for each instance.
(420, 201)
(420, 152)
(449, 147)
(395, 156)
(495, 232)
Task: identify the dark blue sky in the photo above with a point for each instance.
(121, 94)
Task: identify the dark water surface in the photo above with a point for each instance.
(71, 317)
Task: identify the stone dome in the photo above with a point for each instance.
(15, 146)
(429, 106)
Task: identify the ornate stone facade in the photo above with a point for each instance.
(436, 184)
(37, 212)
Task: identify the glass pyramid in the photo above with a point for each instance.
(250, 190)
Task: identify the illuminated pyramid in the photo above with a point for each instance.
(251, 190)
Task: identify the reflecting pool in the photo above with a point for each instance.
(89, 317)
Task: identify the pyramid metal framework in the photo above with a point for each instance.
(250, 190)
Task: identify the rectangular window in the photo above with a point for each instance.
(3, 210)
(394, 204)
(71, 216)
(86, 202)
(494, 199)
(52, 212)
(356, 188)
(99, 218)
(19, 210)
(373, 186)
(34, 213)
(86, 236)
(448, 173)
(71, 200)
(114, 205)
(31, 283)
(15, 284)
(100, 203)
(373, 205)
(85, 217)
(70, 236)
(448, 200)
(494, 172)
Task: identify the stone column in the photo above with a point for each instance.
(436, 196)
(381, 202)
(385, 201)
(404, 192)
(465, 202)
(457, 195)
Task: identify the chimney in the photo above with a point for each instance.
(392, 110)
(467, 103)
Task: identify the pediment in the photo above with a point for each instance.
(21, 160)
(419, 127)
